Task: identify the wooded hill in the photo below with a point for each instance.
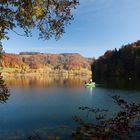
(35, 62)
(124, 62)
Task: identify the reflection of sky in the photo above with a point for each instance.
(90, 91)
(99, 25)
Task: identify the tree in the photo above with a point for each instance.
(124, 62)
(4, 91)
(48, 16)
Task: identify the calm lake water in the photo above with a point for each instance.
(47, 104)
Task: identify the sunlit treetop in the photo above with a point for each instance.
(47, 16)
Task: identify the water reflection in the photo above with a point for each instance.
(91, 91)
(41, 81)
(118, 83)
(38, 103)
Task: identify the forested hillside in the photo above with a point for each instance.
(35, 62)
(124, 62)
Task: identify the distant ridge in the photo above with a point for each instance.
(68, 63)
(34, 53)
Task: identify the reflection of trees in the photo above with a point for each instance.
(4, 92)
(46, 81)
(119, 83)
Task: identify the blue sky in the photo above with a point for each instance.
(99, 25)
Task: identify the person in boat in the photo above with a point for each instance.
(90, 81)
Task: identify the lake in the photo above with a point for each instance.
(46, 104)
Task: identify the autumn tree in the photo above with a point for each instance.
(47, 16)
(124, 62)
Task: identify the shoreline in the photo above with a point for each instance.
(45, 72)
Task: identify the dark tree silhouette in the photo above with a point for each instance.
(124, 62)
(4, 92)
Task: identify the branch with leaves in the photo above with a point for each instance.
(123, 126)
(4, 92)
(48, 16)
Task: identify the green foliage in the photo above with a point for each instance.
(9, 70)
(48, 16)
(4, 92)
(124, 62)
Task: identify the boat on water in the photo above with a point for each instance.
(89, 85)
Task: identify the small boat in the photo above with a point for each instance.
(89, 85)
